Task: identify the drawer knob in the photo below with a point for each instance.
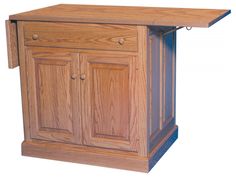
(121, 41)
(35, 37)
(73, 76)
(82, 76)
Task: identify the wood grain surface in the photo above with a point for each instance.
(98, 156)
(53, 94)
(108, 100)
(153, 79)
(125, 15)
(83, 36)
(12, 44)
(161, 81)
(23, 78)
(169, 41)
(141, 74)
(85, 154)
(103, 93)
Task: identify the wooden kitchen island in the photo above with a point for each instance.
(98, 82)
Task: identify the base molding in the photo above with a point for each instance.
(98, 156)
(162, 147)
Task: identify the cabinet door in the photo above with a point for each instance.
(53, 94)
(108, 91)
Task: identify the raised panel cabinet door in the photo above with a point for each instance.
(108, 93)
(53, 94)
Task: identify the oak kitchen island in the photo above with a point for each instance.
(98, 82)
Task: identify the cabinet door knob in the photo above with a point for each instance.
(121, 41)
(73, 76)
(35, 36)
(82, 76)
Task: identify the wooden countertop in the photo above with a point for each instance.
(125, 15)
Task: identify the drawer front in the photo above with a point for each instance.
(84, 36)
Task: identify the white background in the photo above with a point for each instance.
(206, 101)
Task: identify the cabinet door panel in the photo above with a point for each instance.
(109, 117)
(110, 100)
(53, 95)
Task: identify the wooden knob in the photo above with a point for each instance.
(35, 37)
(82, 76)
(73, 76)
(121, 41)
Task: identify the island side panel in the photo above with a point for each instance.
(161, 83)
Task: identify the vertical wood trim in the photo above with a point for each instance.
(76, 104)
(164, 81)
(82, 101)
(161, 81)
(150, 107)
(133, 105)
(173, 74)
(12, 47)
(23, 78)
(32, 93)
(143, 122)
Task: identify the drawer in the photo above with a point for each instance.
(81, 35)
